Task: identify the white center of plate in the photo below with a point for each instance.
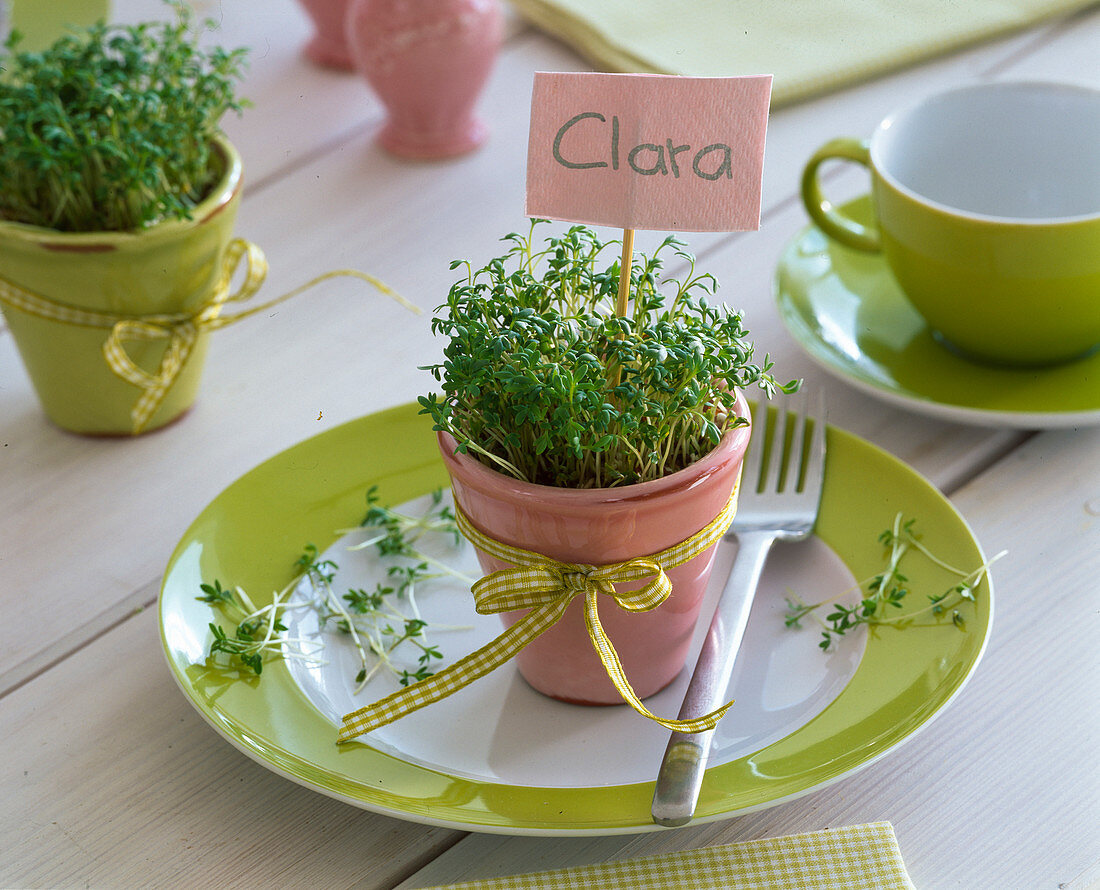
(498, 729)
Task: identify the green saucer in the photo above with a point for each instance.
(846, 311)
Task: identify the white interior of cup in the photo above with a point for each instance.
(1007, 150)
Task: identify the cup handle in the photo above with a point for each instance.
(827, 218)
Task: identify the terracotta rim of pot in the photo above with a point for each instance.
(221, 195)
(479, 475)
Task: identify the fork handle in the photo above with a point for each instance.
(685, 760)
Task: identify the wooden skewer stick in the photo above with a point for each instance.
(625, 265)
(624, 272)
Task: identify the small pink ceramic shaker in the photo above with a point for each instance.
(329, 46)
(427, 60)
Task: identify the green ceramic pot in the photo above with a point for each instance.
(169, 268)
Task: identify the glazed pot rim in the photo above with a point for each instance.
(221, 195)
(479, 474)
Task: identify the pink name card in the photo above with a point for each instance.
(648, 151)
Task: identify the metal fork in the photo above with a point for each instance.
(779, 498)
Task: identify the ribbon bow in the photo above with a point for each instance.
(181, 330)
(546, 587)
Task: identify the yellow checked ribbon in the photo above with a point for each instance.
(547, 587)
(181, 330)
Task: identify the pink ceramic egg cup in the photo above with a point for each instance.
(427, 61)
(329, 46)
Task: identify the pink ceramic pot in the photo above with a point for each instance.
(597, 527)
(427, 60)
(328, 46)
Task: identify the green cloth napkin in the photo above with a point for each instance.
(41, 22)
(810, 46)
(860, 857)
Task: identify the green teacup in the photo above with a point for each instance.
(987, 206)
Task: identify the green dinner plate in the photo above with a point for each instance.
(845, 310)
(250, 534)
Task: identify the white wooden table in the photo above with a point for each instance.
(108, 777)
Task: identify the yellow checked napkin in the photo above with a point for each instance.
(860, 857)
(808, 47)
